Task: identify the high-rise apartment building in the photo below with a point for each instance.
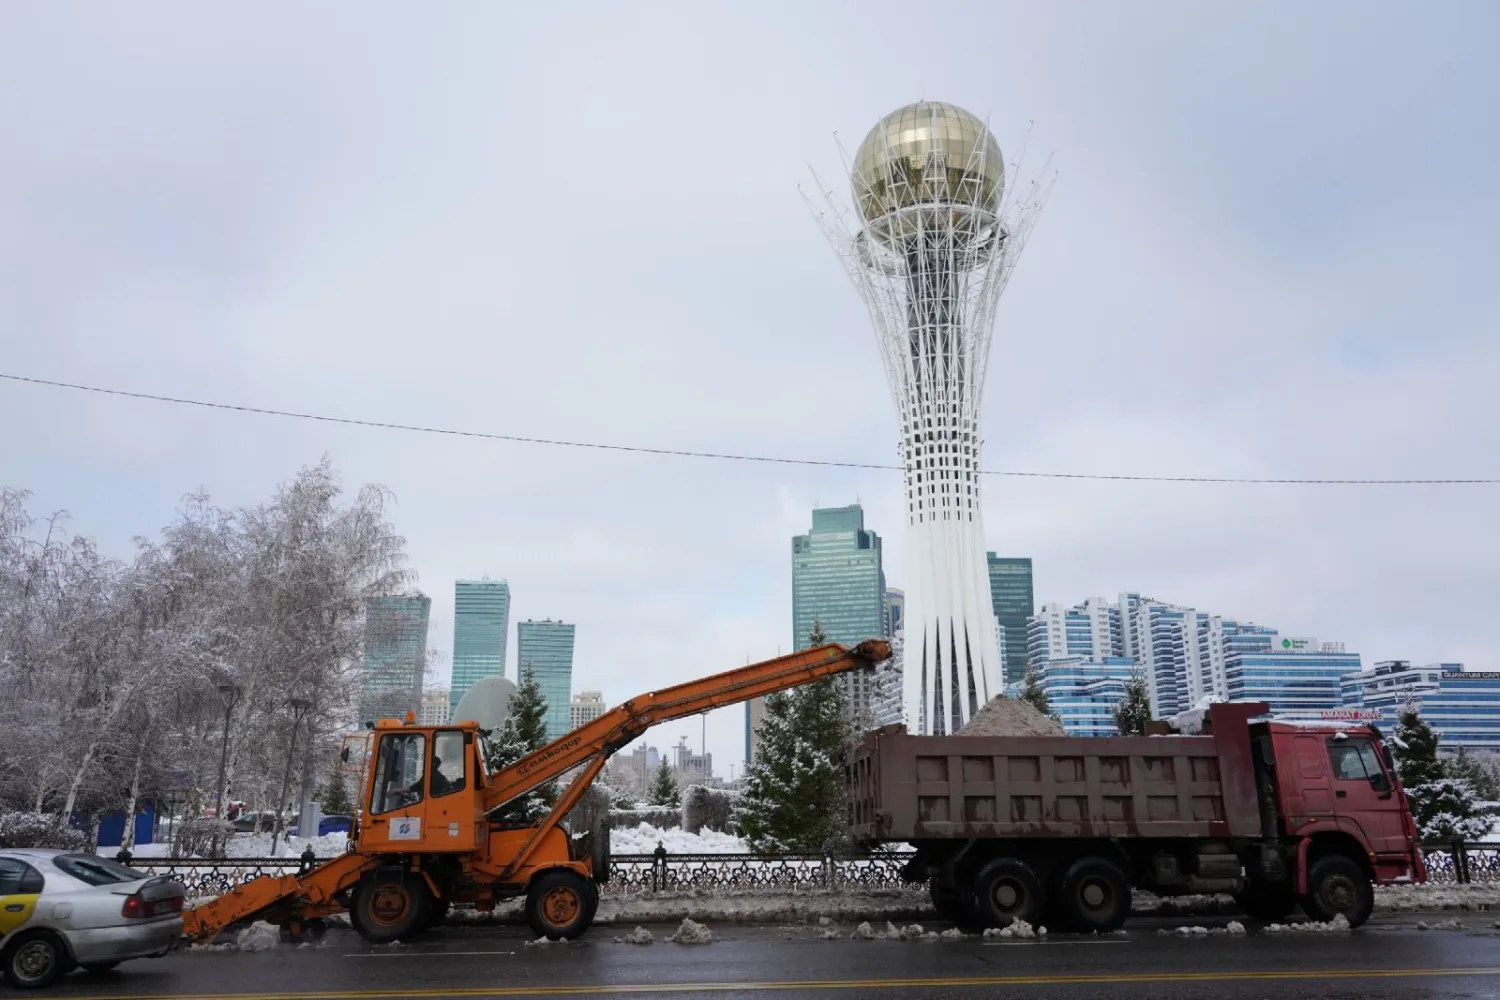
(895, 610)
(587, 706)
(1462, 706)
(1188, 655)
(481, 618)
(1014, 603)
(436, 710)
(545, 648)
(839, 580)
(395, 656)
(1084, 693)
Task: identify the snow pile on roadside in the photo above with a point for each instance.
(1451, 924)
(767, 907)
(643, 839)
(692, 932)
(539, 942)
(1017, 929)
(1197, 905)
(1232, 929)
(1337, 925)
(261, 845)
(864, 932)
(259, 936)
(1430, 896)
(952, 933)
(638, 936)
(831, 934)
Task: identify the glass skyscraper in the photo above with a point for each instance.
(1462, 706)
(395, 656)
(1014, 602)
(481, 619)
(546, 648)
(839, 579)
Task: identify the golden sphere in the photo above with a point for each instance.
(926, 154)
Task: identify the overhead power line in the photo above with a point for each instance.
(728, 456)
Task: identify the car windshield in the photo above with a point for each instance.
(96, 871)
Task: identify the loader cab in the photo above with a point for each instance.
(422, 790)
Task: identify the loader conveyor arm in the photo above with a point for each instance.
(623, 723)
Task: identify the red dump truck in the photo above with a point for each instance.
(1057, 830)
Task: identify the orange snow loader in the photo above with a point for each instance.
(424, 840)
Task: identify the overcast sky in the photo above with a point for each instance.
(1270, 252)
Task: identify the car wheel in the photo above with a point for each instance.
(1338, 886)
(35, 960)
(1005, 891)
(390, 906)
(559, 905)
(98, 967)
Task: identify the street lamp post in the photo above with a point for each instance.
(230, 693)
(299, 709)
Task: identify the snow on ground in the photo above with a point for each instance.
(1409, 898)
(249, 845)
(643, 839)
(1233, 929)
(1338, 925)
(692, 932)
(1451, 924)
(738, 907)
(1018, 929)
(638, 936)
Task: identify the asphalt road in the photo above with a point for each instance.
(1387, 959)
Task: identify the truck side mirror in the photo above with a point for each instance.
(1381, 784)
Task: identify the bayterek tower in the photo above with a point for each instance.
(930, 248)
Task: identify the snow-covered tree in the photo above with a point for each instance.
(1481, 775)
(1034, 694)
(1442, 805)
(794, 788)
(1132, 711)
(664, 791)
(524, 731)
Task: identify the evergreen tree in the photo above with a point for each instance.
(664, 792)
(794, 794)
(1133, 711)
(524, 731)
(1441, 803)
(336, 801)
(1036, 695)
(816, 637)
(1481, 778)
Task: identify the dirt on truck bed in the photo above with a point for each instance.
(1004, 716)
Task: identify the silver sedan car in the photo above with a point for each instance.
(60, 910)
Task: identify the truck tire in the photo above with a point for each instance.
(1006, 890)
(1093, 897)
(560, 904)
(390, 906)
(1270, 902)
(1338, 885)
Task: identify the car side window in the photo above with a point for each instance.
(448, 763)
(398, 772)
(18, 878)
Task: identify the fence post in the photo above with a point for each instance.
(659, 868)
(827, 870)
(1460, 861)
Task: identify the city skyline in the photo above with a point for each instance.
(345, 262)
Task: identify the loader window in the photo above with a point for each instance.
(448, 759)
(398, 772)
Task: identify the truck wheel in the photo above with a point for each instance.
(1268, 901)
(560, 904)
(390, 906)
(35, 960)
(1094, 896)
(1338, 885)
(1005, 891)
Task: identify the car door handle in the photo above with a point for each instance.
(1341, 795)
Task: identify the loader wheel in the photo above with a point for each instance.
(390, 906)
(560, 904)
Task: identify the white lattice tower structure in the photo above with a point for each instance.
(930, 247)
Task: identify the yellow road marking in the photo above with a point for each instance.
(602, 989)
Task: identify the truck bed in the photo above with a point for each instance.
(913, 788)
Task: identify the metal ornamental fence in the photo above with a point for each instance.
(1452, 864)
